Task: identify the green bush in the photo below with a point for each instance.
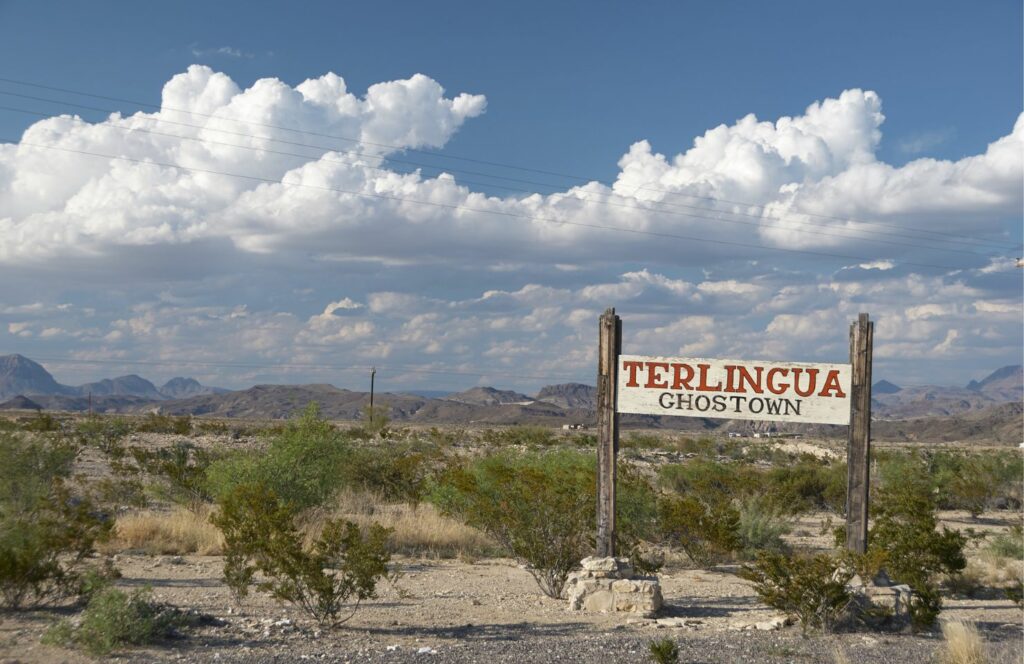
(42, 423)
(760, 528)
(905, 537)
(261, 537)
(538, 507)
(114, 619)
(707, 533)
(810, 588)
(182, 468)
(664, 651)
(103, 433)
(530, 436)
(157, 423)
(47, 533)
(1009, 544)
(303, 464)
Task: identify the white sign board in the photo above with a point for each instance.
(734, 389)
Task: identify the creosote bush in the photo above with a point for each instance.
(114, 619)
(540, 508)
(810, 588)
(341, 566)
(47, 532)
(904, 537)
(707, 533)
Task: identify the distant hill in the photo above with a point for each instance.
(20, 375)
(122, 386)
(488, 396)
(1001, 380)
(884, 387)
(182, 388)
(570, 395)
(20, 403)
(985, 407)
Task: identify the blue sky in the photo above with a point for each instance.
(568, 88)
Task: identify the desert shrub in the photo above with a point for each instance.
(807, 484)
(47, 533)
(644, 441)
(114, 619)
(103, 433)
(159, 423)
(303, 464)
(904, 534)
(181, 468)
(707, 533)
(810, 588)
(211, 427)
(1015, 593)
(376, 421)
(261, 536)
(760, 528)
(397, 473)
(699, 446)
(1009, 544)
(664, 651)
(538, 507)
(530, 436)
(965, 481)
(42, 423)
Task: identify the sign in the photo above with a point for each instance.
(734, 389)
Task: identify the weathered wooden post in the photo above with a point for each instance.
(609, 348)
(858, 450)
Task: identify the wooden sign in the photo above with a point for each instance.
(734, 389)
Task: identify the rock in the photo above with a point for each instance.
(772, 625)
(602, 601)
(595, 564)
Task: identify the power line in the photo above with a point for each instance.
(462, 158)
(719, 218)
(502, 213)
(396, 368)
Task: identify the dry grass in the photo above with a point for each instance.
(839, 655)
(963, 644)
(177, 532)
(418, 529)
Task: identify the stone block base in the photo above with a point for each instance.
(607, 585)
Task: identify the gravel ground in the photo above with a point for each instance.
(491, 611)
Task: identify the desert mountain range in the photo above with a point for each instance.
(990, 405)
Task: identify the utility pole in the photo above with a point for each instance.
(373, 374)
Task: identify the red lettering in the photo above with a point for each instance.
(770, 378)
(745, 377)
(678, 382)
(703, 386)
(632, 366)
(812, 377)
(832, 385)
(654, 380)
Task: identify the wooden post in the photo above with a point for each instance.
(858, 450)
(609, 348)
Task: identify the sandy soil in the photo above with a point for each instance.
(465, 612)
